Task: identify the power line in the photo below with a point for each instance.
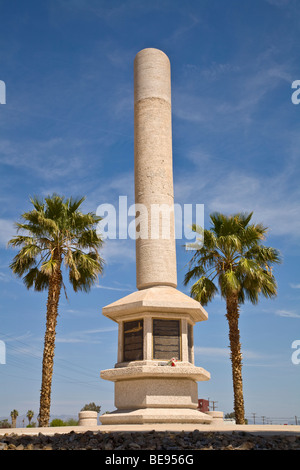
(270, 420)
(82, 370)
(20, 363)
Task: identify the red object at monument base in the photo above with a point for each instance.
(203, 405)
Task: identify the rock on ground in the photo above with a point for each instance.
(153, 440)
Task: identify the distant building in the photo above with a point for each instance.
(203, 405)
(229, 421)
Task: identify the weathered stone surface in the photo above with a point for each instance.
(155, 255)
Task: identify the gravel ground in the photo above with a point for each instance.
(153, 440)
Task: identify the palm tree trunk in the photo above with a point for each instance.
(232, 316)
(49, 346)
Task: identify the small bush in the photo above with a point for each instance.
(71, 422)
(31, 425)
(91, 407)
(57, 422)
(5, 424)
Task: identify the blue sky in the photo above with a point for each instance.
(67, 127)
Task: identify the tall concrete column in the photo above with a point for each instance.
(155, 245)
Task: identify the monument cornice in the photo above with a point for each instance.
(162, 299)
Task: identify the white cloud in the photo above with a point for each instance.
(273, 198)
(98, 286)
(85, 336)
(212, 352)
(7, 278)
(222, 353)
(49, 159)
(287, 313)
(244, 85)
(268, 197)
(295, 286)
(7, 231)
(119, 251)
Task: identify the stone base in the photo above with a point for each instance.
(156, 394)
(155, 415)
(87, 418)
(139, 370)
(217, 416)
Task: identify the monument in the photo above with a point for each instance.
(155, 378)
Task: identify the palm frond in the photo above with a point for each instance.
(36, 279)
(229, 243)
(50, 266)
(233, 250)
(193, 273)
(203, 290)
(55, 229)
(25, 259)
(89, 239)
(229, 283)
(19, 240)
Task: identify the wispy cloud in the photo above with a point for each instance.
(287, 313)
(243, 91)
(98, 286)
(273, 198)
(84, 336)
(250, 358)
(225, 352)
(7, 231)
(5, 277)
(295, 286)
(119, 251)
(49, 159)
(212, 352)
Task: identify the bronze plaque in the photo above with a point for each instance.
(133, 341)
(166, 339)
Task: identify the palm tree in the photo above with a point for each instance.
(232, 254)
(29, 415)
(14, 414)
(56, 235)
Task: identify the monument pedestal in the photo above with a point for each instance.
(147, 387)
(155, 393)
(156, 415)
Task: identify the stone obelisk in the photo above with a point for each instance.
(155, 376)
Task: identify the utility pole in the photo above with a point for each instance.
(296, 420)
(253, 417)
(263, 418)
(213, 404)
